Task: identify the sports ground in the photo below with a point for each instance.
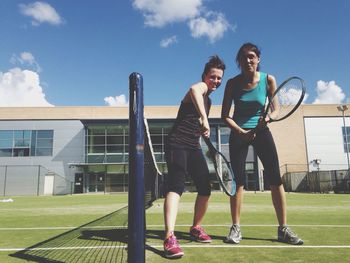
(92, 228)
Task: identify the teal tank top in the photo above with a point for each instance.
(249, 104)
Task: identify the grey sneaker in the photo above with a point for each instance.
(235, 235)
(286, 235)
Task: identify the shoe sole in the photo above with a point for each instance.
(300, 242)
(199, 240)
(178, 255)
(232, 241)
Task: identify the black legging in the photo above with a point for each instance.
(265, 148)
(183, 161)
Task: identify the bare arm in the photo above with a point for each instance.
(197, 93)
(272, 86)
(226, 107)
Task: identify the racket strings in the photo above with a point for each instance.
(288, 97)
(225, 173)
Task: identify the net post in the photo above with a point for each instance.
(136, 214)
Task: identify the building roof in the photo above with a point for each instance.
(151, 112)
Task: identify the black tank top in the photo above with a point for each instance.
(186, 130)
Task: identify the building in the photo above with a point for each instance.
(61, 150)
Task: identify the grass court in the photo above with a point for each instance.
(92, 228)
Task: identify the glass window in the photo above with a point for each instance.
(96, 149)
(158, 157)
(94, 140)
(96, 158)
(107, 141)
(156, 129)
(116, 169)
(115, 148)
(44, 143)
(98, 130)
(43, 152)
(22, 143)
(157, 148)
(346, 138)
(126, 139)
(115, 139)
(33, 143)
(45, 134)
(156, 139)
(225, 135)
(96, 168)
(117, 158)
(6, 135)
(5, 144)
(26, 143)
(6, 148)
(119, 130)
(19, 152)
(23, 134)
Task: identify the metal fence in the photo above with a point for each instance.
(337, 181)
(32, 180)
(38, 180)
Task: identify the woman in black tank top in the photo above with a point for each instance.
(187, 129)
(184, 155)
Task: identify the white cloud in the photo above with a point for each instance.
(290, 96)
(119, 101)
(213, 26)
(328, 93)
(166, 42)
(158, 13)
(41, 12)
(25, 58)
(21, 88)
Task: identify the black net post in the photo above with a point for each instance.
(136, 216)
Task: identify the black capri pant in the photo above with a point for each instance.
(265, 148)
(182, 161)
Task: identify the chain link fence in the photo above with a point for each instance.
(337, 181)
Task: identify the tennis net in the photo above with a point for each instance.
(152, 174)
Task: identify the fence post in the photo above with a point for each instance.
(5, 180)
(37, 191)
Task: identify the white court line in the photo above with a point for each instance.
(256, 225)
(155, 226)
(59, 228)
(185, 246)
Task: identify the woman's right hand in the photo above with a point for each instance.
(205, 128)
(247, 135)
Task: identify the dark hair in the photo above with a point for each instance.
(214, 62)
(247, 46)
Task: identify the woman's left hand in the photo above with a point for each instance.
(263, 122)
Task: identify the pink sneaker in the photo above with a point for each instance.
(198, 234)
(172, 248)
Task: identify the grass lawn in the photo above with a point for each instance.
(92, 228)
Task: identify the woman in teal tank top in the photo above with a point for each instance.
(249, 91)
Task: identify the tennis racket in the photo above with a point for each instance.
(289, 96)
(223, 169)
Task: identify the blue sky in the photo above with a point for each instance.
(81, 53)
